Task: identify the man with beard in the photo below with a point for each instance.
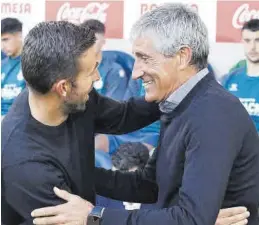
(243, 82)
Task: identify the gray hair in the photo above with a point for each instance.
(173, 26)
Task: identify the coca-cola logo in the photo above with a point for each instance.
(244, 14)
(93, 10)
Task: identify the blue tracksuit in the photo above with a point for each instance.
(12, 82)
(246, 88)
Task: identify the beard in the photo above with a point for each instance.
(74, 102)
(72, 107)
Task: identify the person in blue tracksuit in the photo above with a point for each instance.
(243, 82)
(12, 82)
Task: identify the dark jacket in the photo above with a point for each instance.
(208, 158)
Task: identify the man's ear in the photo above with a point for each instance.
(185, 55)
(62, 88)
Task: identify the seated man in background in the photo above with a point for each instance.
(243, 82)
(129, 156)
(116, 84)
(12, 82)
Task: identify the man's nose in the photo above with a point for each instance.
(137, 72)
(96, 76)
(253, 45)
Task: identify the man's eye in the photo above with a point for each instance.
(145, 59)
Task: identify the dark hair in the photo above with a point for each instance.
(10, 25)
(129, 155)
(97, 26)
(51, 51)
(252, 25)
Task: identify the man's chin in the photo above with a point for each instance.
(253, 60)
(149, 98)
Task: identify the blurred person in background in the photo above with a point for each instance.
(243, 81)
(114, 83)
(12, 82)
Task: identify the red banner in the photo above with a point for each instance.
(108, 12)
(231, 15)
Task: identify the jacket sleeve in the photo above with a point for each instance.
(138, 186)
(113, 117)
(24, 190)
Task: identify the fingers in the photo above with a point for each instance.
(239, 219)
(63, 194)
(231, 211)
(49, 220)
(48, 211)
(244, 222)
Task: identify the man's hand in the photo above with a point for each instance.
(74, 212)
(233, 216)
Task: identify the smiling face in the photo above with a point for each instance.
(158, 73)
(170, 44)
